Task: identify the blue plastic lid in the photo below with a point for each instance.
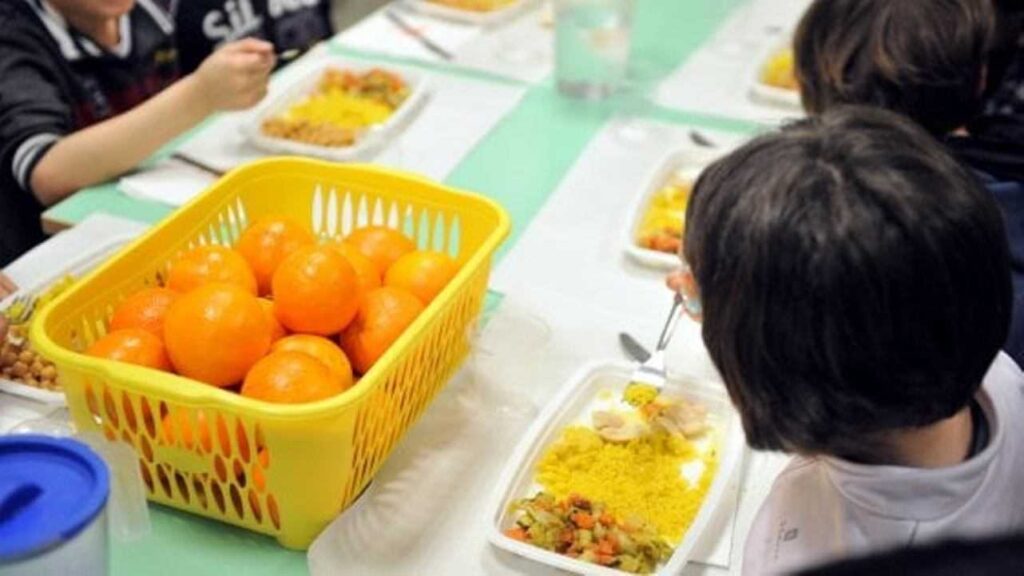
(50, 490)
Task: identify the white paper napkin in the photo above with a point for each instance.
(171, 182)
(73, 250)
(15, 410)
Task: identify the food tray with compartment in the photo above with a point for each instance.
(573, 405)
(684, 164)
(368, 140)
(49, 272)
(281, 470)
(762, 92)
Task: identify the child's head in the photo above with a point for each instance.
(854, 279)
(925, 59)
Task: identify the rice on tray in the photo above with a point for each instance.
(639, 478)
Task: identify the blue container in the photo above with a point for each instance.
(53, 497)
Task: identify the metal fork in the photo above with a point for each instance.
(27, 302)
(652, 372)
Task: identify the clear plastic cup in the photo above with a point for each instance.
(592, 44)
(507, 348)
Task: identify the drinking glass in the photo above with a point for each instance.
(592, 43)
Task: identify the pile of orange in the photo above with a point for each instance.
(281, 317)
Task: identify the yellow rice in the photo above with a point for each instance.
(639, 395)
(638, 479)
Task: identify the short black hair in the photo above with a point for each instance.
(922, 58)
(855, 280)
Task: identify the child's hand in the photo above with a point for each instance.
(7, 287)
(676, 281)
(235, 76)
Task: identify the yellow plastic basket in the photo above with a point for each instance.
(282, 470)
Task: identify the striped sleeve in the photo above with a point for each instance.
(28, 154)
(34, 113)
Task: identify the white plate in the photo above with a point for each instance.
(303, 86)
(76, 252)
(453, 14)
(685, 164)
(573, 405)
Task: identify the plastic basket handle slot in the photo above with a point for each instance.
(15, 497)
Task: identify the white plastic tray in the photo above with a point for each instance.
(685, 163)
(305, 85)
(492, 18)
(573, 405)
(768, 94)
(51, 269)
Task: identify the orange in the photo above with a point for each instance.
(259, 478)
(289, 377)
(266, 244)
(383, 315)
(215, 333)
(315, 291)
(422, 274)
(145, 309)
(383, 246)
(176, 425)
(366, 271)
(276, 330)
(323, 350)
(132, 346)
(207, 264)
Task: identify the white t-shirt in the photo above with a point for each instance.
(822, 509)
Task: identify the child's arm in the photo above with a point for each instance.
(234, 77)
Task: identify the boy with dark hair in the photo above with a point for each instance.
(855, 287)
(925, 59)
(928, 60)
(88, 89)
